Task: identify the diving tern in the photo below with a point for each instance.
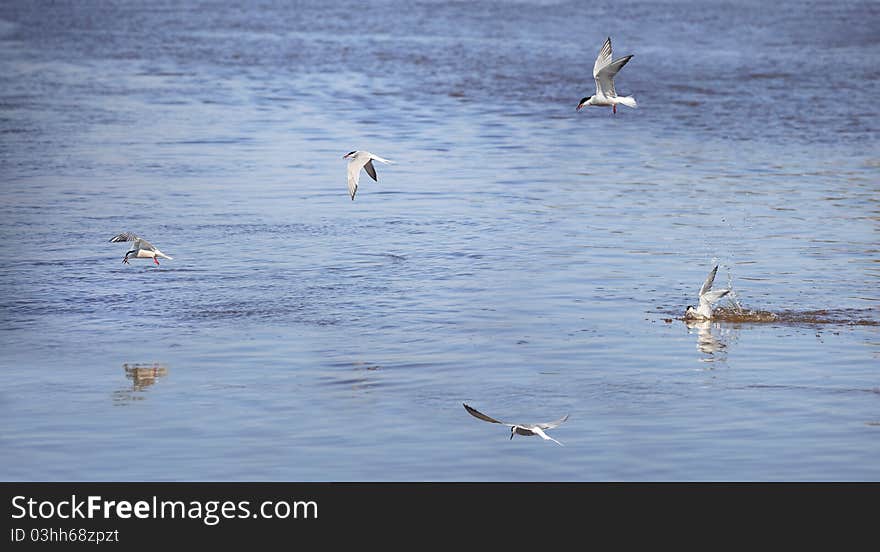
(141, 249)
(358, 160)
(707, 299)
(521, 429)
(604, 71)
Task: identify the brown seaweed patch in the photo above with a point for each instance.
(862, 317)
(743, 315)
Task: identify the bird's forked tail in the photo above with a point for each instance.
(628, 101)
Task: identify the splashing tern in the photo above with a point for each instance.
(707, 299)
(520, 429)
(141, 249)
(358, 160)
(604, 70)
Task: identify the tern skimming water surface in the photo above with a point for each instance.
(140, 249)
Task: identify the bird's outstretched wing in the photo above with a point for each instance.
(354, 176)
(371, 170)
(603, 58)
(604, 70)
(477, 414)
(551, 425)
(707, 285)
(605, 79)
(712, 297)
(139, 243)
(124, 237)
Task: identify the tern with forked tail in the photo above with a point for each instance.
(604, 71)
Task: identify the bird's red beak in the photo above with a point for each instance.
(579, 107)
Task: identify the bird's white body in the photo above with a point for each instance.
(604, 101)
(358, 160)
(707, 299)
(140, 249)
(145, 254)
(604, 71)
(521, 429)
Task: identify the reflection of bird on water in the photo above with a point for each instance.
(706, 342)
(144, 375)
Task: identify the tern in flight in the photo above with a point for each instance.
(356, 161)
(521, 429)
(604, 71)
(141, 249)
(707, 299)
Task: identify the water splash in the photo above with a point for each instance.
(733, 298)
